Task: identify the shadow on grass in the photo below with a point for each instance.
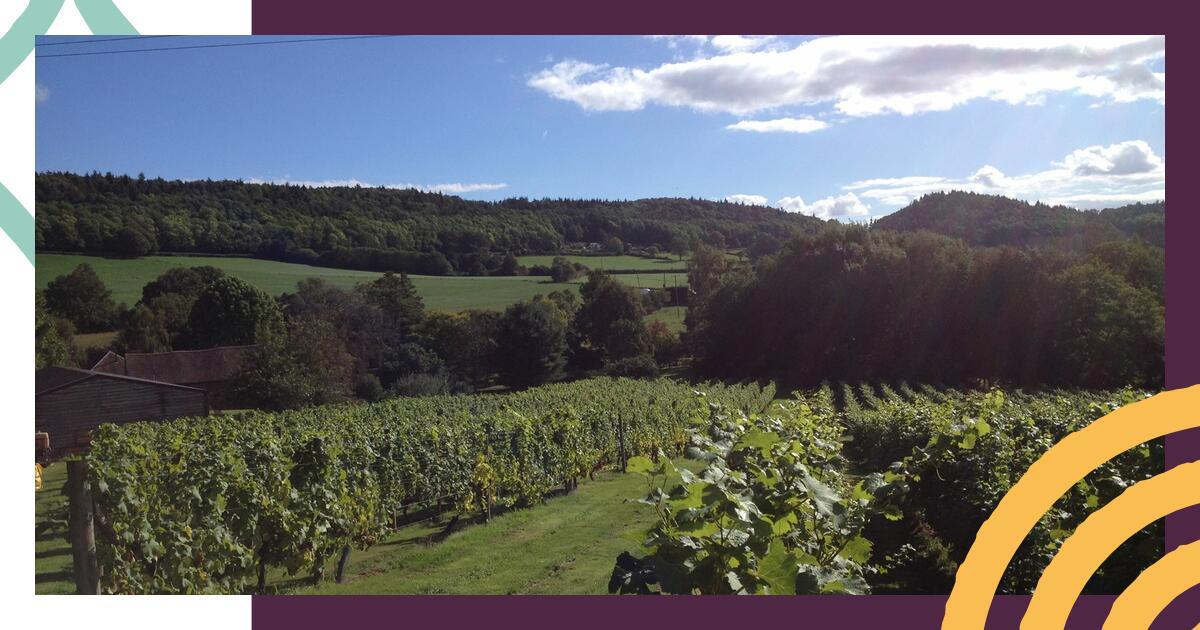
(50, 533)
(50, 553)
(54, 576)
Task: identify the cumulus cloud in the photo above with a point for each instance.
(871, 75)
(1093, 177)
(1126, 158)
(41, 93)
(846, 206)
(456, 188)
(750, 200)
(788, 125)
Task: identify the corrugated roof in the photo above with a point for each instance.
(54, 378)
(182, 366)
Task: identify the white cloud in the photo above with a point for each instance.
(41, 93)
(846, 206)
(743, 43)
(1125, 158)
(870, 75)
(456, 188)
(789, 125)
(676, 41)
(751, 200)
(608, 89)
(1092, 177)
(891, 181)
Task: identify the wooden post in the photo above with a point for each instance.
(83, 536)
(342, 562)
(622, 453)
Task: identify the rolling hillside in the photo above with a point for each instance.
(990, 220)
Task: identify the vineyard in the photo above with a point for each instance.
(851, 488)
(206, 505)
(871, 489)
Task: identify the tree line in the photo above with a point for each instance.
(323, 344)
(377, 229)
(855, 303)
(992, 220)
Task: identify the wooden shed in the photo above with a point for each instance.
(69, 403)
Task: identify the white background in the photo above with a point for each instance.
(22, 609)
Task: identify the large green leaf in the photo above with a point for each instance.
(779, 569)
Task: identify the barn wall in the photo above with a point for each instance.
(65, 412)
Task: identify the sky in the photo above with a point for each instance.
(845, 127)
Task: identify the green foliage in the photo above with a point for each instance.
(639, 366)
(771, 513)
(774, 510)
(994, 220)
(231, 312)
(52, 335)
(610, 318)
(82, 298)
(368, 228)
(563, 270)
(308, 365)
(186, 281)
(466, 342)
(663, 344)
(145, 330)
(962, 453)
(396, 296)
(858, 303)
(135, 240)
(532, 344)
(195, 505)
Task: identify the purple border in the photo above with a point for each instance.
(760, 17)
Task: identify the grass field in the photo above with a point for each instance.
(84, 341)
(611, 262)
(52, 551)
(126, 277)
(672, 316)
(566, 545)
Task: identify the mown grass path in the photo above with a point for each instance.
(566, 545)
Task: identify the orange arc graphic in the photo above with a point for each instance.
(1099, 536)
(1155, 588)
(1045, 481)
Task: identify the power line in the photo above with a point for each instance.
(194, 47)
(97, 41)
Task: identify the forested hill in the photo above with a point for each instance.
(136, 216)
(994, 220)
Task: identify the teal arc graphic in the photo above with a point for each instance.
(103, 18)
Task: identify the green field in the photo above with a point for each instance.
(672, 316)
(52, 551)
(610, 262)
(126, 277)
(84, 341)
(567, 545)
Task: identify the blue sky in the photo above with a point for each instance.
(800, 123)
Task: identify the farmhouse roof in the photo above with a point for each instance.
(55, 378)
(111, 363)
(184, 367)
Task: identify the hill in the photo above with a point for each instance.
(990, 220)
(370, 228)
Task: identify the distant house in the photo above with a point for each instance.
(69, 403)
(215, 370)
